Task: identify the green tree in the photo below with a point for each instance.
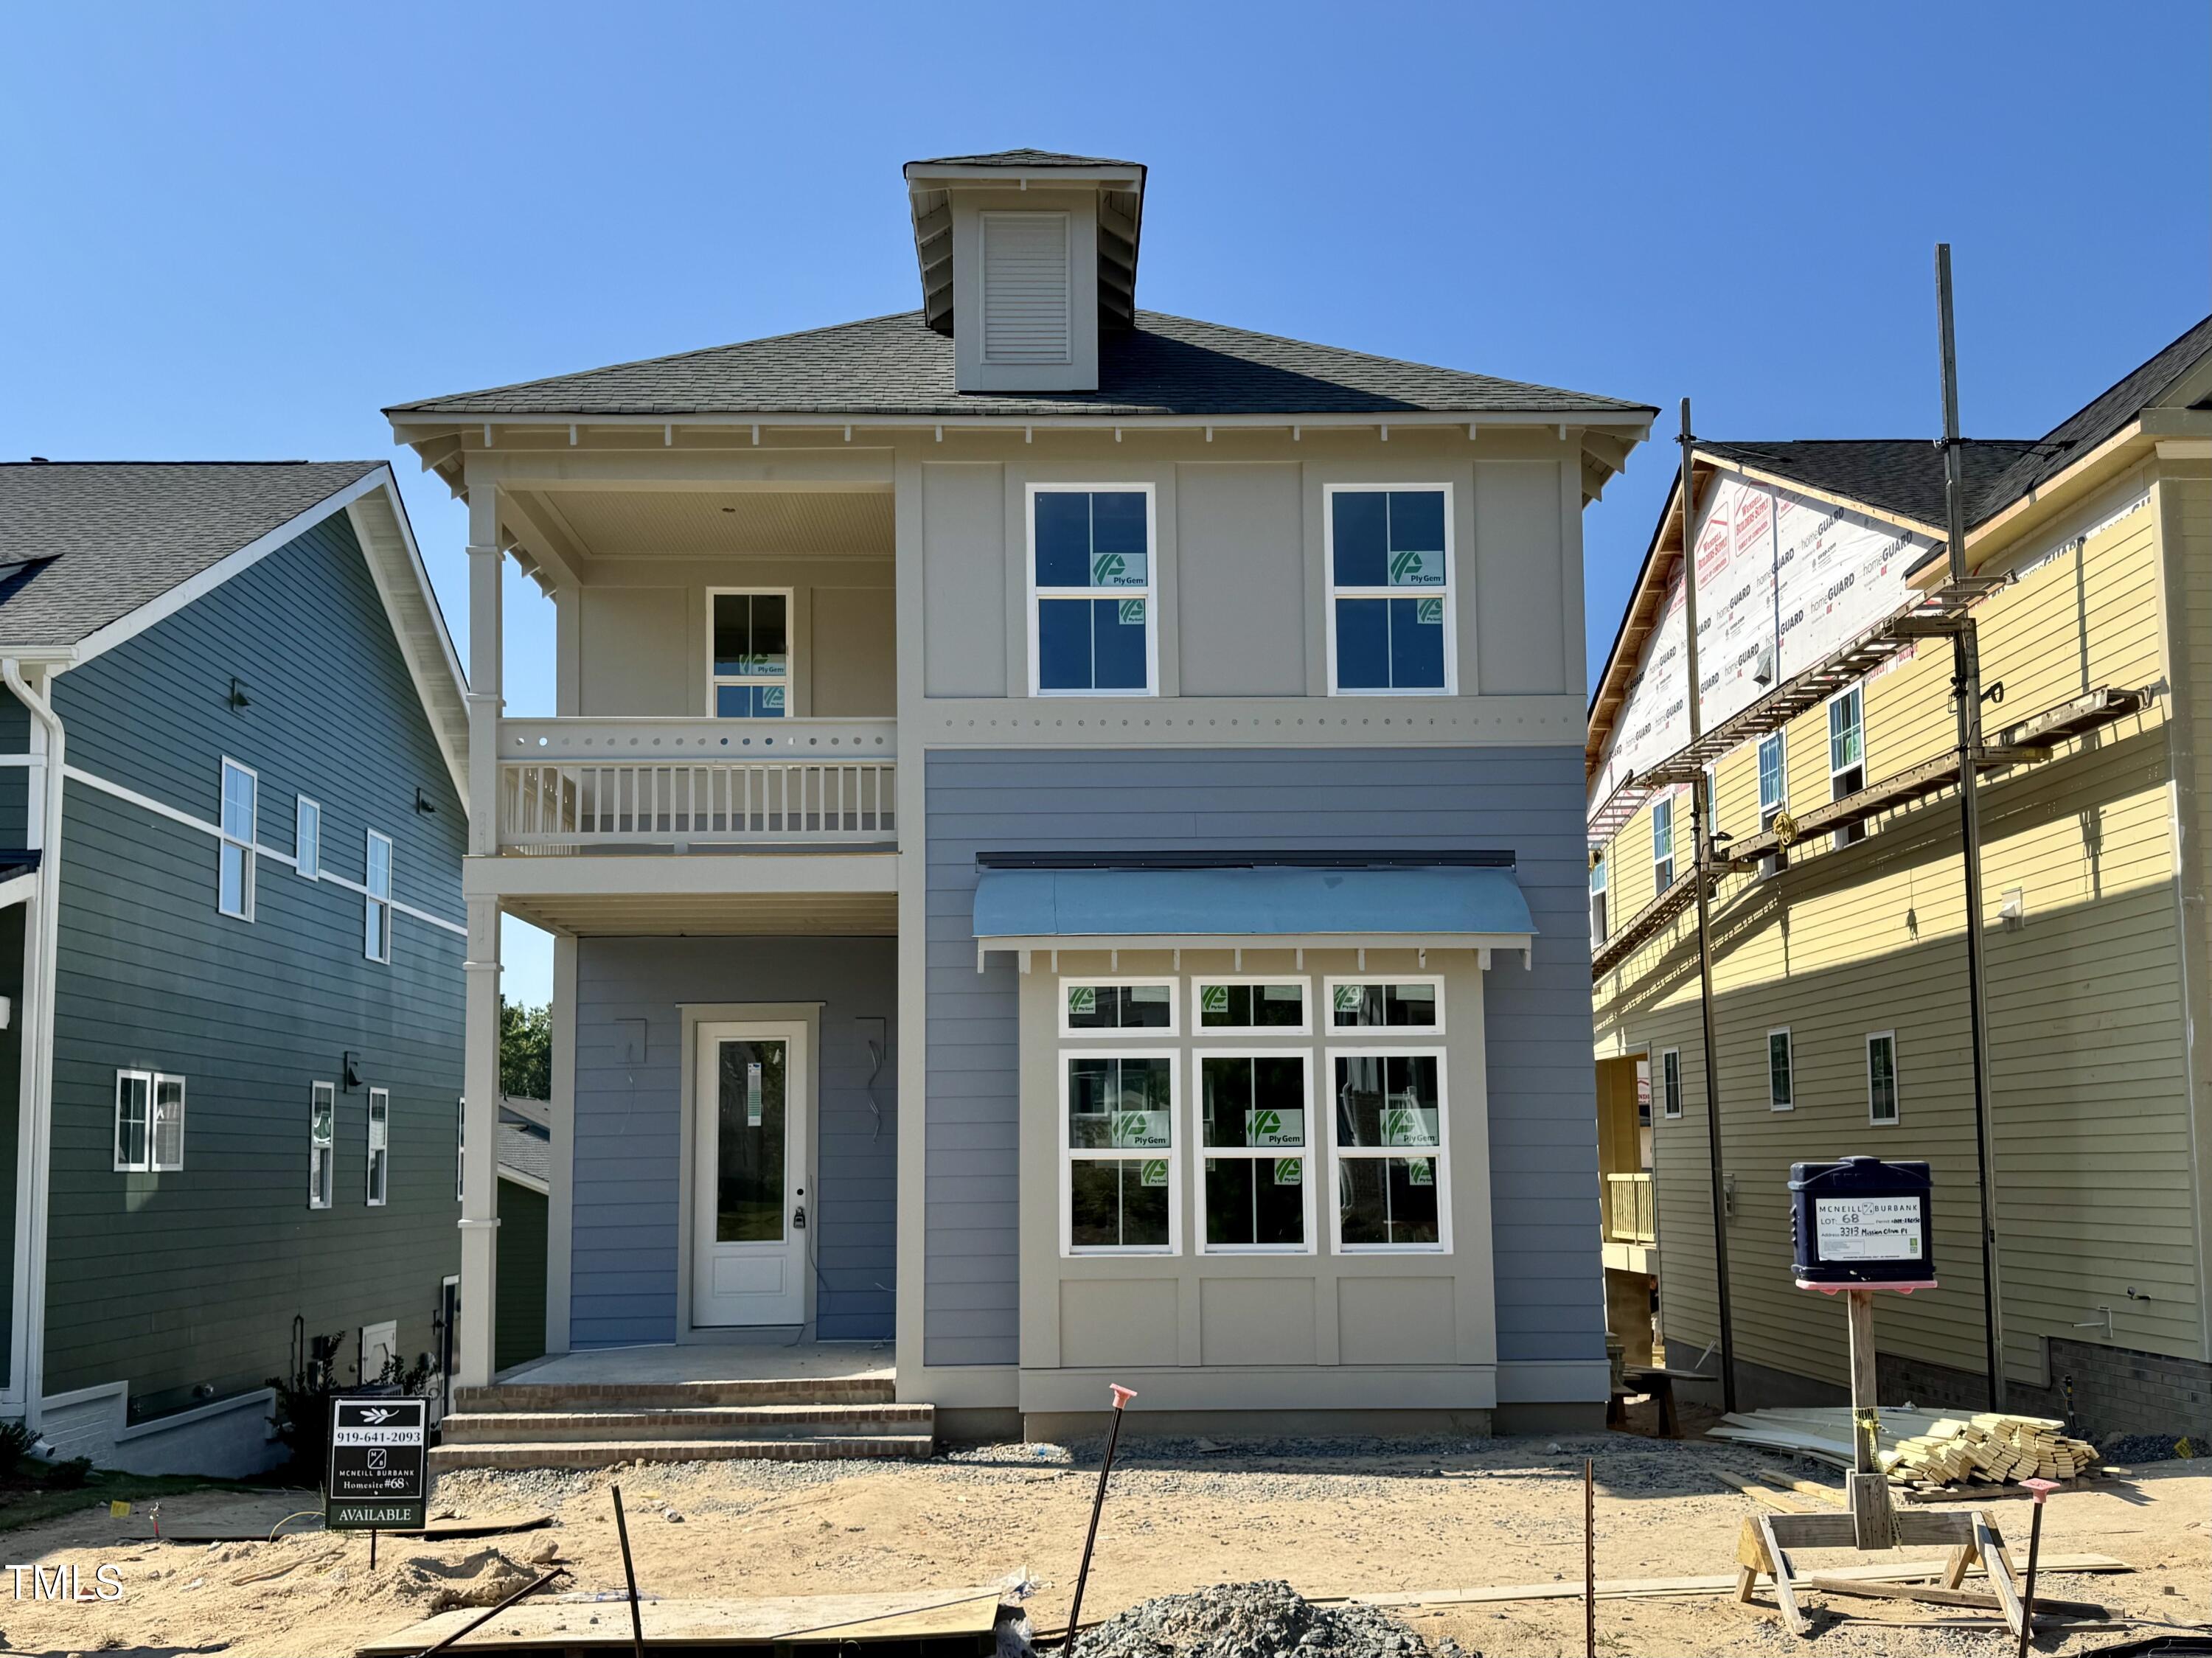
(526, 1051)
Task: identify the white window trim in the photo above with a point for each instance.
(1667, 801)
(1440, 1153)
(789, 679)
(1199, 1029)
(1419, 1033)
(1069, 1156)
(1201, 1152)
(322, 1180)
(1896, 1084)
(1838, 839)
(1789, 1059)
(375, 1199)
(1332, 593)
(371, 904)
(1149, 592)
(1780, 738)
(301, 806)
(123, 1164)
(460, 1150)
(1670, 1103)
(1147, 1033)
(248, 847)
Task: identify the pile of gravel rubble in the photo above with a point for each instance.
(1268, 1619)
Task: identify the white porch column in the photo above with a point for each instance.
(486, 564)
(480, 1154)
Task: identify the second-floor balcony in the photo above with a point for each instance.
(1630, 1214)
(578, 785)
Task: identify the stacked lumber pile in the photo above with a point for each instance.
(1922, 1448)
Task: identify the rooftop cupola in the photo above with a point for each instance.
(1026, 257)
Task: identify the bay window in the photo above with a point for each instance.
(1387, 1132)
(1252, 1189)
(1118, 1189)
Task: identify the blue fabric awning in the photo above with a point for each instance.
(1441, 904)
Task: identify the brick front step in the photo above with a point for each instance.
(603, 1454)
(690, 1423)
(504, 1396)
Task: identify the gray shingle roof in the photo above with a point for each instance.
(525, 1148)
(1897, 475)
(896, 365)
(83, 543)
(1021, 158)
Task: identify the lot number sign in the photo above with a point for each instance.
(379, 1472)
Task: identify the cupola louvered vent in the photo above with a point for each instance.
(1026, 312)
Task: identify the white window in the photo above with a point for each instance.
(380, 1146)
(1662, 843)
(149, 1121)
(1255, 1190)
(1385, 1005)
(376, 909)
(322, 1143)
(1273, 1007)
(1119, 1195)
(1773, 796)
(1670, 1082)
(749, 646)
(1847, 757)
(234, 851)
(1115, 1007)
(1387, 1142)
(1781, 1083)
(1597, 900)
(1391, 630)
(307, 838)
(1881, 1077)
(1093, 610)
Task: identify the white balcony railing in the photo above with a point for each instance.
(569, 784)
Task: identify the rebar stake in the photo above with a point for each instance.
(1121, 1397)
(2039, 1488)
(1589, 1557)
(629, 1577)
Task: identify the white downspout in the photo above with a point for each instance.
(42, 937)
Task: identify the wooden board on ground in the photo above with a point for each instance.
(785, 1620)
(1625, 1589)
(253, 1522)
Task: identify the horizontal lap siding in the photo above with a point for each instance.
(2088, 1061)
(1543, 1139)
(629, 1155)
(190, 1279)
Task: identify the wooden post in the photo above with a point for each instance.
(1876, 1525)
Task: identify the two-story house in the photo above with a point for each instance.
(1060, 835)
(233, 747)
(1842, 1012)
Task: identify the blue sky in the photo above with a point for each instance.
(239, 231)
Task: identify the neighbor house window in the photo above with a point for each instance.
(1385, 1004)
(1276, 1006)
(1597, 900)
(1390, 625)
(1780, 1090)
(376, 909)
(234, 850)
(380, 1146)
(1773, 796)
(1106, 1007)
(1118, 1188)
(1662, 843)
(1881, 1077)
(322, 1143)
(1253, 1157)
(149, 1121)
(1388, 1141)
(750, 641)
(1847, 757)
(1092, 606)
(1670, 1082)
(307, 838)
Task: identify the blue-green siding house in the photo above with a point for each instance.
(231, 751)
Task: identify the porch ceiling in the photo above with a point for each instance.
(699, 915)
(709, 524)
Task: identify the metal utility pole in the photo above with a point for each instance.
(1701, 851)
(1966, 691)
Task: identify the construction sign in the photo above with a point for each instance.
(379, 1473)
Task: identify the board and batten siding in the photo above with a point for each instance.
(2089, 1061)
(627, 1176)
(1527, 801)
(186, 1283)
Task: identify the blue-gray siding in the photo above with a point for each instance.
(190, 1280)
(628, 1157)
(1542, 1110)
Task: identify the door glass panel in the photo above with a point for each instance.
(749, 1173)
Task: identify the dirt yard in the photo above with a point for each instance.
(1336, 1518)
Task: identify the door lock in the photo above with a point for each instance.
(799, 1219)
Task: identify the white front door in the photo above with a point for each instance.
(749, 1203)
